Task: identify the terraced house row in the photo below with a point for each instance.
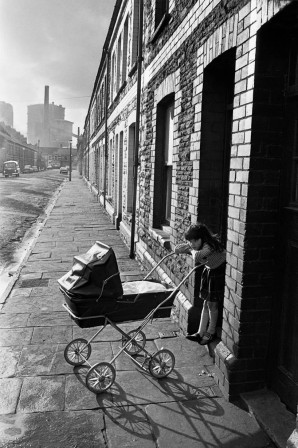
(194, 117)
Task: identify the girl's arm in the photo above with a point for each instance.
(183, 248)
(201, 256)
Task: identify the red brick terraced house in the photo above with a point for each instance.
(194, 117)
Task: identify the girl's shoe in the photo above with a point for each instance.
(193, 337)
(207, 338)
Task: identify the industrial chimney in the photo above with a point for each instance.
(46, 116)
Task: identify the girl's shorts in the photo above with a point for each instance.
(212, 283)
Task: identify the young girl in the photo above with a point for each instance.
(206, 249)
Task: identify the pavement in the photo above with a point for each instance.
(44, 401)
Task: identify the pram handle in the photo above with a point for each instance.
(151, 314)
(159, 263)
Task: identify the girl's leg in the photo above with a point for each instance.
(204, 319)
(213, 315)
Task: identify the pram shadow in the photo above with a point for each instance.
(120, 410)
(127, 410)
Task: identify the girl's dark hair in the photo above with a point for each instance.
(199, 230)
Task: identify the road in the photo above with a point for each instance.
(23, 201)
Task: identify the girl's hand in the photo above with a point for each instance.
(194, 253)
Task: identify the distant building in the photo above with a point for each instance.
(47, 125)
(6, 113)
(13, 146)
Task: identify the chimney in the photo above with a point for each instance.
(46, 116)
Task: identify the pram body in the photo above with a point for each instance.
(93, 290)
(95, 296)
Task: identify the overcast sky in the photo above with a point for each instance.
(51, 42)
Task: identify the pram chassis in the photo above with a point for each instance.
(101, 376)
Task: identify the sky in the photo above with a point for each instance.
(51, 42)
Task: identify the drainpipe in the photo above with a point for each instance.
(106, 131)
(137, 130)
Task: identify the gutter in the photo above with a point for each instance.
(137, 129)
(106, 128)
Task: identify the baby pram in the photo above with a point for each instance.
(95, 296)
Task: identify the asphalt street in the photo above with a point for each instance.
(23, 201)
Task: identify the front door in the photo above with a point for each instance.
(285, 378)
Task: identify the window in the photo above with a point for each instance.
(98, 108)
(102, 100)
(293, 68)
(161, 9)
(169, 116)
(163, 162)
(161, 18)
(119, 64)
(113, 77)
(134, 27)
(130, 167)
(102, 167)
(293, 135)
(110, 169)
(124, 55)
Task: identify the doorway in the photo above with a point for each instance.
(217, 107)
(275, 152)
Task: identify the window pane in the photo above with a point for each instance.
(295, 182)
(169, 134)
(161, 7)
(168, 192)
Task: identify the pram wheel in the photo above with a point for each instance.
(162, 363)
(77, 352)
(132, 348)
(100, 377)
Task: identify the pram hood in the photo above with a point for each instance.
(94, 274)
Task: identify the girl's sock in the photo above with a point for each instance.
(204, 321)
(213, 315)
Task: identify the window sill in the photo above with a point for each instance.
(161, 237)
(119, 91)
(162, 24)
(292, 207)
(133, 70)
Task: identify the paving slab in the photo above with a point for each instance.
(33, 304)
(204, 423)
(124, 362)
(78, 396)
(186, 352)
(129, 426)
(9, 358)
(13, 320)
(271, 414)
(16, 336)
(44, 265)
(49, 319)
(36, 359)
(82, 429)
(9, 394)
(42, 394)
(61, 334)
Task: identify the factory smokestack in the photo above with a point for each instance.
(46, 116)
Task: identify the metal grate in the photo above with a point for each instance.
(168, 334)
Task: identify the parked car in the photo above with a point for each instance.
(28, 169)
(49, 167)
(63, 170)
(34, 168)
(11, 168)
